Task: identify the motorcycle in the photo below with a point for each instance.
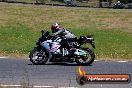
(50, 49)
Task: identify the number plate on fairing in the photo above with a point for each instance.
(50, 46)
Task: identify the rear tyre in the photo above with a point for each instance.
(38, 57)
(88, 60)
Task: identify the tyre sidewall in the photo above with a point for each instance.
(91, 60)
(31, 56)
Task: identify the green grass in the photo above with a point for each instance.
(15, 38)
(20, 28)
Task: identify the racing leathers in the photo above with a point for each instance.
(68, 38)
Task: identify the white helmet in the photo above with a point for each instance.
(55, 27)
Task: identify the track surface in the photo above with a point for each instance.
(21, 71)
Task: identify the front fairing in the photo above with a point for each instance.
(44, 37)
(50, 46)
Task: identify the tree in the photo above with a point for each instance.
(3, 0)
(100, 3)
(110, 1)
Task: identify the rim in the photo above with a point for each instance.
(38, 57)
(85, 59)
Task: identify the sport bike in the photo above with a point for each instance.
(49, 48)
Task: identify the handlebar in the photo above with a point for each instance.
(42, 32)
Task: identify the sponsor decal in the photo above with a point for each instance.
(83, 78)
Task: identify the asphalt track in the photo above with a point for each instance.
(19, 71)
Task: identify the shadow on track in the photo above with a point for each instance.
(63, 64)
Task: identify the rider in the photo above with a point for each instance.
(67, 35)
(118, 2)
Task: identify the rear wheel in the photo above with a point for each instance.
(88, 59)
(38, 57)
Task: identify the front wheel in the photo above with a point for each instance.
(38, 57)
(88, 59)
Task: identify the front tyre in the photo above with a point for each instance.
(88, 59)
(38, 57)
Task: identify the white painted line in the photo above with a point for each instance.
(10, 85)
(29, 86)
(122, 61)
(67, 87)
(34, 86)
(114, 61)
(3, 57)
(97, 60)
(43, 86)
